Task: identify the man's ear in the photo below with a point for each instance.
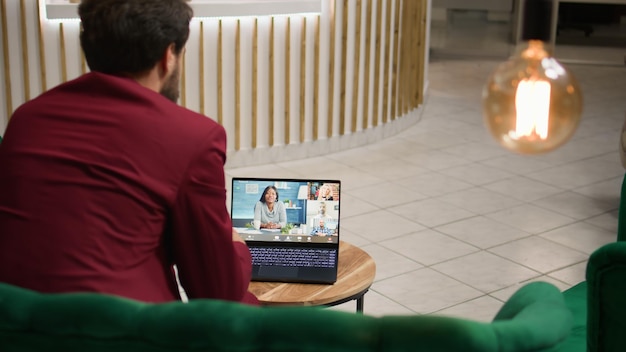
(168, 61)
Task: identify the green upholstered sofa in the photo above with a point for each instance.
(535, 318)
(598, 304)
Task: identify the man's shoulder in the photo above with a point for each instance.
(125, 92)
(159, 109)
(194, 117)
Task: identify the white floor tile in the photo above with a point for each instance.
(390, 263)
(482, 232)
(352, 206)
(387, 195)
(476, 151)
(518, 164)
(425, 290)
(575, 205)
(428, 247)
(480, 200)
(380, 225)
(486, 271)
(531, 219)
(391, 169)
(579, 174)
(432, 212)
(608, 191)
(477, 174)
(581, 236)
(607, 221)
(434, 160)
(352, 238)
(572, 275)
(523, 188)
(433, 183)
(539, 254)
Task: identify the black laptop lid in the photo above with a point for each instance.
(311, 206)
(310, 225)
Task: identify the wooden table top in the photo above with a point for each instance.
(355, 274)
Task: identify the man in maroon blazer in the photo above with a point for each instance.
(106, 183)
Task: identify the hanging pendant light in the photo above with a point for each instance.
(532, 103)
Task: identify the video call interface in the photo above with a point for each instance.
(311, 207)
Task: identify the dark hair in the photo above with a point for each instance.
(262, 200)
(131, 35)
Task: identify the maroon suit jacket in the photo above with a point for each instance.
(105, 185)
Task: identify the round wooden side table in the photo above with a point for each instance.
(355, 274)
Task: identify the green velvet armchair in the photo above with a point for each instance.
(535, 318)
(606, 289)
(598, 304)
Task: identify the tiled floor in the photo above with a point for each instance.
(455, 222)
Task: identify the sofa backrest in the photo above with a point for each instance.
(533, 319)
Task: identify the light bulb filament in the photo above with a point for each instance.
(532, 104)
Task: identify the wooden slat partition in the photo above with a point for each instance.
(371, 51)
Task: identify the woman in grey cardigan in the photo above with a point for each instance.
(269, 213)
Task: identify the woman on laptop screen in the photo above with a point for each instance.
(269, 213)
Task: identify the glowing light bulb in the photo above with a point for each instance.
(532, 119)
(532, 104)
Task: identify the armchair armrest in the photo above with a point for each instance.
(606, 303)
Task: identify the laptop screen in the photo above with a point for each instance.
(286, 210)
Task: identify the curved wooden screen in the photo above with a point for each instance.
(271, 81)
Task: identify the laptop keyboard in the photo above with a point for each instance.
(300, 257)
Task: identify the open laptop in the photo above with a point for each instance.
(306, 246)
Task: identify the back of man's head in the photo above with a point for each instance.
(131, 36)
